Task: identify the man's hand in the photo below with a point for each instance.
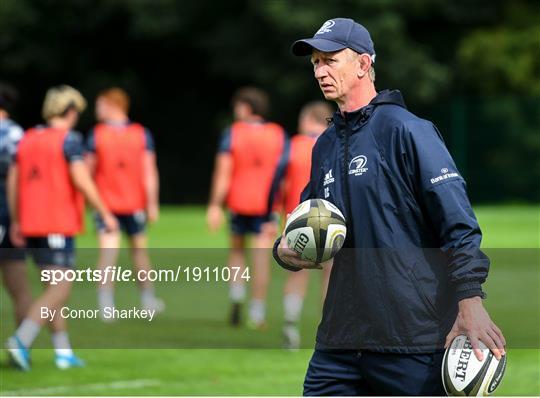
(110, 221)
(270, 229)
(214, 217)
(152, 212)
(16, 235)
(474, 322)
(292, 258)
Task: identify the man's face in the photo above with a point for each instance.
(103, 109)
(241, 110)
(72, 117)
(309, 125)
(336, 72)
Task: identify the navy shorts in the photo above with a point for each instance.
(7, 250)
(244, 225)
(131, 224)
(352, 373)
(53, 250)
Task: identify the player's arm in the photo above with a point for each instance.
(12, 200)
(90, 154)
(80, 176)
(151, 184)
(221, 181)
(151, 177)
(82, 180)
(90, 160)
(16, 134)
(443, 196)
(277, 182)
(12, 192)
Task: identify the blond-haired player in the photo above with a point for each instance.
(47, 185)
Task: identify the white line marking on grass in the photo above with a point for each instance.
(58, 390)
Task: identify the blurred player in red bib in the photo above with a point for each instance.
(122, 158)
(249, 160)
(47, 185)
(312, 122)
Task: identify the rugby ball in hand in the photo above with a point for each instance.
(463, 374)
(316, 230)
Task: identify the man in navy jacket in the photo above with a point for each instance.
(409, 277)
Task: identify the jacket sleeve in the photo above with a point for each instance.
(443, 195)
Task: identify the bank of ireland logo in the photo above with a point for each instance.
(357, 165)
(326, 28)
(445, 175)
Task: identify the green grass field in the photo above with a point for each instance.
(196, 317)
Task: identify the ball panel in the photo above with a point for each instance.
(298, 223)
(474, 387)
(300, 210)
(302, 241)
(335, 238)
(497, 376)
(447, 382)
(333, 209)
(488, 377)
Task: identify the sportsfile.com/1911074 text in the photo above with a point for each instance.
(122, 274)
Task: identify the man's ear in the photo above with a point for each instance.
(364, 63)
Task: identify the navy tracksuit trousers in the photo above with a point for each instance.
(350, 373)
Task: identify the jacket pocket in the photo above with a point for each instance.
(426, 300)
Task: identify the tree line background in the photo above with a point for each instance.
(471, 66)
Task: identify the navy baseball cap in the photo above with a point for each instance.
(334, 35)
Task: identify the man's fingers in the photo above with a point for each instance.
(310, 266)
(18, 241)
(451, 336)
(304, 264)
(490, 343)
(291, 257)
(500, 334)
(16, 237)
(285, 252)
(498, 343)
(475, 343)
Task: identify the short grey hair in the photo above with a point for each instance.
(371, 73)
(353, 55)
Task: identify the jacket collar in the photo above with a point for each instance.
(356, 119)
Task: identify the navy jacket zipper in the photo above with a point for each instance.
(345, 179)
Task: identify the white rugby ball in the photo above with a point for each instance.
(316, 230)
(463, 374)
